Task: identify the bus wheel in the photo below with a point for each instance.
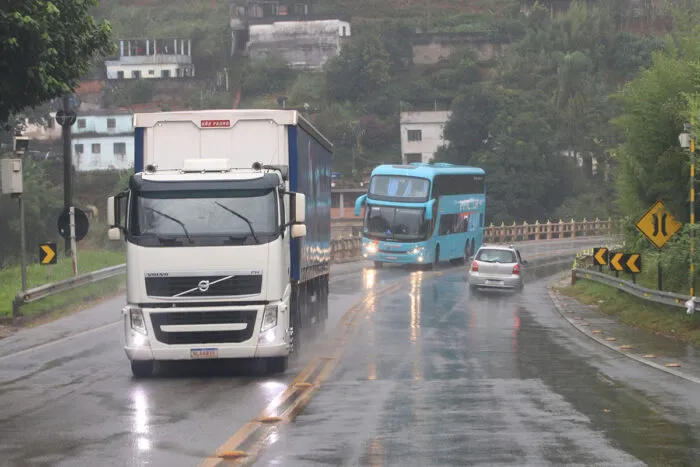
(467, 253)
(378, 264)
(436, 259)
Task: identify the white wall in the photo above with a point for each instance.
(303, 44)
(156, 68)
(106, 159)
(431, 125)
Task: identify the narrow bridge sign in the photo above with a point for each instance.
(658, 225)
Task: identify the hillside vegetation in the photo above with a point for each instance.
(518, 115)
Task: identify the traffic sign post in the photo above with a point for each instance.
(73, 225)
(658, 226)
(73, 252)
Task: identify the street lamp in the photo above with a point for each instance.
(687, 142)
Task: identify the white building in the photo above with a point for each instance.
(151, 58)
(302, 44)
(422, 134)
(103, 140)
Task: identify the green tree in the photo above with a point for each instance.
(360, 72)
(266, 75)
(42, 202)
(45, 47)
(510, 137)
(651, 163)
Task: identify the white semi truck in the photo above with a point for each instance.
(227, 229)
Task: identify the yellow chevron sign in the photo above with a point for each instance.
(47, 253)
(600, 256)
(631, 262)
(634, 263)
(615, 264)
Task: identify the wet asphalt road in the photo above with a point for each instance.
(434, 377)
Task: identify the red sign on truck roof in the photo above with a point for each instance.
(216, 123)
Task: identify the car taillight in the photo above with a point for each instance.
(516, 269)
(475, 266)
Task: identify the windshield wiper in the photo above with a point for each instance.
(242, 217)
(177, 221)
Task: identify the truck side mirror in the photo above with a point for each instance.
(358, 204)
(299, 209)
(111, 212)
(114, 234)
(298, 230)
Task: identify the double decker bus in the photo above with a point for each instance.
(422, 213)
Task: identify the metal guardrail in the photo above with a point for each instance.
(342, 250)
(43, 291)
(665, 298)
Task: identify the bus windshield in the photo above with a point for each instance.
(399, 188)
(401, 224)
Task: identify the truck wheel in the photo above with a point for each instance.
(295, 325)
(277, 365)
(142, 368)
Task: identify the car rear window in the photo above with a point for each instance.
(496, 256)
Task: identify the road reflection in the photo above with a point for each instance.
(140, 418)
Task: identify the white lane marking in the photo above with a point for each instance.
(58, 341)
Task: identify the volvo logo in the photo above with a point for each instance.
(203, 286)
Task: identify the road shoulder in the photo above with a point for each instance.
(660, 352)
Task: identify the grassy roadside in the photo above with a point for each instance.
(88, 261)
(630, 310)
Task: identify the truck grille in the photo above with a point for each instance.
(203, 317)
(203, 286)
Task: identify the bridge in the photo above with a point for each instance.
(411, 369)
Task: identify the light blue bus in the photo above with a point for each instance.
(422, 213)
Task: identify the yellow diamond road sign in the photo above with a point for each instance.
(658, 225)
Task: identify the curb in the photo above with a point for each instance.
(582, 330)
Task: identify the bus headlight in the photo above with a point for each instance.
(371, 248)
(417, 250)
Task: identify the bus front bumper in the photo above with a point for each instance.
(417, 255)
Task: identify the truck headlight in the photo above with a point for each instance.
(269, 319)
(138, 323)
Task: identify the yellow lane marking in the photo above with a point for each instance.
(304, 389)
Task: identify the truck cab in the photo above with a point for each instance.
(216, 257)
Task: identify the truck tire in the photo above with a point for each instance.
(142, 368)
(295, 323)
(275, 365)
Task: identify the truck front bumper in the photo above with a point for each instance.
(203, 333)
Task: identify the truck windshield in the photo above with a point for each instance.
(213, 217)
(401, 224)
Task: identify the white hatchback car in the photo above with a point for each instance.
(497, 267)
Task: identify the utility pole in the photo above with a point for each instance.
(692, 211)
(67, 165)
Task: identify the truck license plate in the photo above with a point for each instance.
(204, 353)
